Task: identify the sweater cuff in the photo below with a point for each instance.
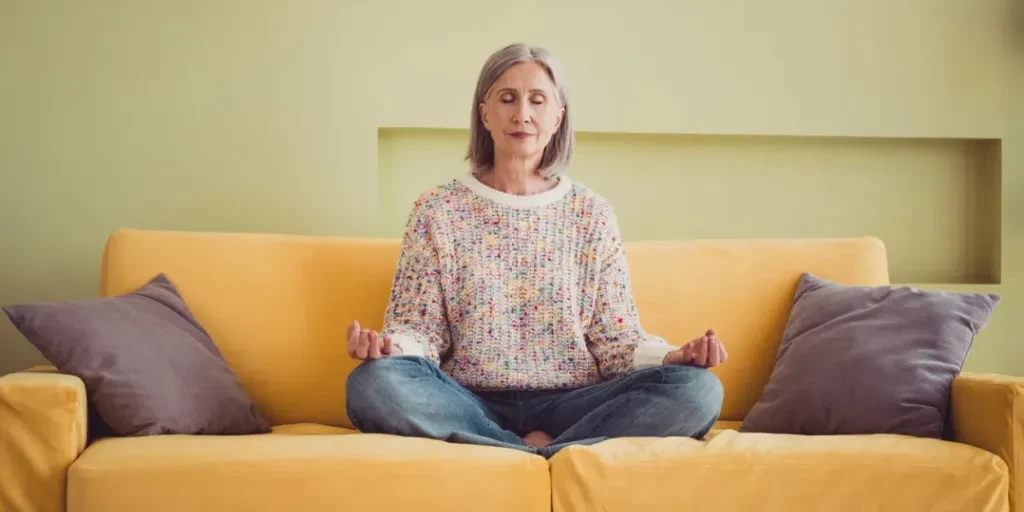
(651, 353)
(408, 345)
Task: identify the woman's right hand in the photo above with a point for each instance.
(366, 344)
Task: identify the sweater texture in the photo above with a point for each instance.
(509, 292)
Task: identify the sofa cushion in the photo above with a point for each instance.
(868, 359)
(148, 366)
(297, 469)
(768, 472)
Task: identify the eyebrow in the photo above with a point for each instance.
(509, 89)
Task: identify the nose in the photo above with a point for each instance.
(524, 113)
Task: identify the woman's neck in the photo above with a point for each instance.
(517, 177)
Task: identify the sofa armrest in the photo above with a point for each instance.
(43, 421)
(987, 411)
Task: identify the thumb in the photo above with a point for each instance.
(353, 329)
(674, 357)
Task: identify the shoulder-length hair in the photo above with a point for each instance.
(558, 152)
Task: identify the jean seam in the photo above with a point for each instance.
(626, 397)
(497, 432)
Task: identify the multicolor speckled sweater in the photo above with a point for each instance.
(510, 292)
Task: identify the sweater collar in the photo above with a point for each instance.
(517, 201)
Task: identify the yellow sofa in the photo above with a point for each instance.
(278, 305)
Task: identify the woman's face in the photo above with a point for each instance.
(522, 111)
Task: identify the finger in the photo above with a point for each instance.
(714, 353)
(352, 338)
(694, 349)
(364, 344)
(722, 354)
(677, 356)
(387, 345)
(701, 358)
(690, 350)
(686, 355)
(374, 352)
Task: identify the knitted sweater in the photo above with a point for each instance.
(509, 292)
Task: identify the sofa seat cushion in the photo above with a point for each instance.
(766, 472)
(294, 469)
(298, 429)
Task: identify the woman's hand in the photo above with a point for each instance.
(703, 352)
(366, 344)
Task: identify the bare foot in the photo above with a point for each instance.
(537, 439)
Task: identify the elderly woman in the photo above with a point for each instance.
(511, 321)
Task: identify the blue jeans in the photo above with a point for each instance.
(410, 396)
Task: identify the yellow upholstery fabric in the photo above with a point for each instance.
(744, 290)
(988, 412)
(42, 431)
(278, 305)
(728, 425)
(310, 473)
(765, 472)
(301, 429)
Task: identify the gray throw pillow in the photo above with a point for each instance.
(148, 366)
(868, 360)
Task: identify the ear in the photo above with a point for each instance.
(558, 120)
(483, 115)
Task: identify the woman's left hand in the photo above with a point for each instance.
(703, 352)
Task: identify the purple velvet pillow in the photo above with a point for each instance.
(148, 366)
(868, 360)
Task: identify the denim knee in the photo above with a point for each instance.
(374, 387)
(699, 389)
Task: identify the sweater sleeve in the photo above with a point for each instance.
(415, 317)
(615, 336)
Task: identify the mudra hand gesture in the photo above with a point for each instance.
(368, 344)
(703, 352)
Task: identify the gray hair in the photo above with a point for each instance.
(558, 153)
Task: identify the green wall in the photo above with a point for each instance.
(698, 119)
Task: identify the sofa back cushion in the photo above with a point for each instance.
(744, 290)
(277, 305)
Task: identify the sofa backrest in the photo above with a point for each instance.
(278, 305)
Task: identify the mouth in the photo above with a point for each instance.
(520, 135)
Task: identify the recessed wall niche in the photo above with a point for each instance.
(934, 202)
